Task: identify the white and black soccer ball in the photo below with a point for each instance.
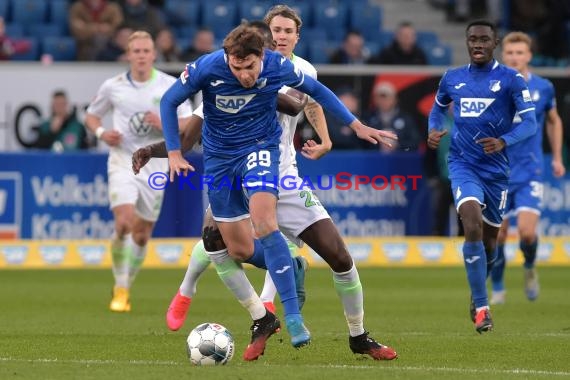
(210, 344)
(137, 125)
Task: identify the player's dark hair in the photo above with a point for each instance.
(265, 31)
(58, 93)
(243, 41)
(482, 23)
(283, 11)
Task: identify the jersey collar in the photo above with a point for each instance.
(486, 67)
(153, 74)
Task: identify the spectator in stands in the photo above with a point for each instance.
(92, 24)
(463, 10)
(553, 35)
(352, 50)
(166, 48)
(403, 51)
(9, 46)
(342, 136)
(202, 43)
(387, 116)
(140, 15)
(116, 49)
(62, 131)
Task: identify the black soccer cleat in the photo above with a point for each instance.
(365, 345)
(261, 330)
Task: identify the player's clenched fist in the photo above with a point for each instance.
(434, 138)
(140, 158)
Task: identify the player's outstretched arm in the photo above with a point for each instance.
(291, 102)
(329, 101)
(178, 164)
(375, 136)
(191, 132)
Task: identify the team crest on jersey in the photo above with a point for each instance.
(535, 96)
(474, 107)
(137, 125)
(495, 85)
(232, 103)
(526, 95)
(261, 82)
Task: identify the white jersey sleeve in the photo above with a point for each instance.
(199, 111)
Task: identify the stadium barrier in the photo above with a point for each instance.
(174, 253)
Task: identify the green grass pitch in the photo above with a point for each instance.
(55, 324)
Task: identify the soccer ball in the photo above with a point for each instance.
(210, 344)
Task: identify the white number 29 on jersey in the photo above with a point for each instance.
(261, 158)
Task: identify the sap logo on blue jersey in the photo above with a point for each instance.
(474, 107)
(232, 104)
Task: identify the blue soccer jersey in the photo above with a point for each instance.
(526, 157)
(235, 117)
(241, 131)
(485, 100)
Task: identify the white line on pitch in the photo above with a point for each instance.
(514, 371)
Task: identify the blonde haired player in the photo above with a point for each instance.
(526, 159)
(134, 98)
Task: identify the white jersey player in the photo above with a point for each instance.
(134, 99)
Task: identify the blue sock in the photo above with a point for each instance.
(258, 257)
(498, 271)
(475, 261)
(491, 260)
(280, 267)
(529, 252)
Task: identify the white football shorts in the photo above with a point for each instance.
(127, 188)
(298, 209)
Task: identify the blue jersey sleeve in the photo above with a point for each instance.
(550, 96)
(437, 116)
(182, 89)
(525, 108)
(293, 77)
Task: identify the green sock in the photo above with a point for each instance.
(136, 259)
(120, 253)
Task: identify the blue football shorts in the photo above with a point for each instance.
(232, 181)
(491, 193)
(525, 196)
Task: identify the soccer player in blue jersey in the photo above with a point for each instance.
(526, 158)
(241, 140)
(485, 97)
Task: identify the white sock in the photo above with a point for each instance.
(269, 291)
